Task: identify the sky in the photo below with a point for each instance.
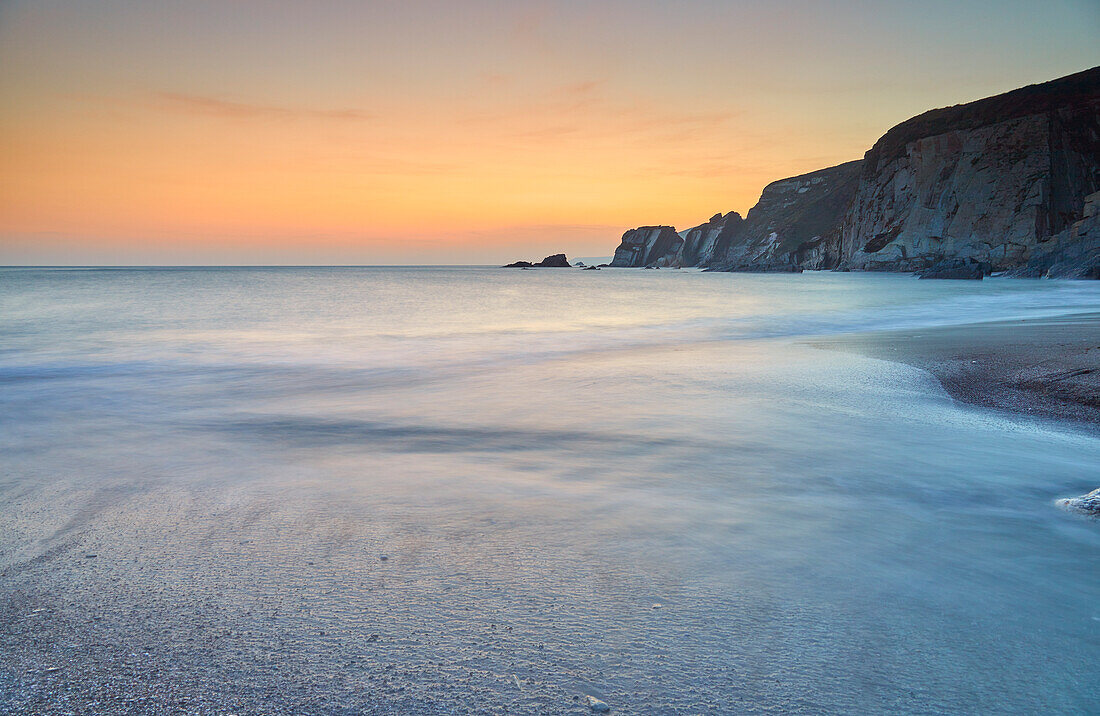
(447, 132)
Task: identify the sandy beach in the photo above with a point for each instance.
(1044, 367)
(379, 498)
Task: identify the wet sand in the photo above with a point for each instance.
(1049, 368)
(188, 541)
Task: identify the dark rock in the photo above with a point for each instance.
(555, 261)
(703, 241)
(1073, 253)
(763, 268)
(992, 180)
(956, 268)
(1010, 181)
(648, 246)
(591, 268)
(796, 221)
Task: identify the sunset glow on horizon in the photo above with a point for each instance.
(480, 132)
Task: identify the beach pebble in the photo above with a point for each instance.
(383, 557)
(1088, 504)
(657, 605)
(597, 705)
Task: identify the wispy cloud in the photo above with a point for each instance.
(217, 107)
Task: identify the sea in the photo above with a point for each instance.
(449, 490)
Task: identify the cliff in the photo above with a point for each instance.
(1007, 183)
(795, 223)
(703, 241)
(649, 246)
(1072, 253)
(992, 180)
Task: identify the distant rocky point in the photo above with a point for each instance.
(555, 261)
(1005, 184)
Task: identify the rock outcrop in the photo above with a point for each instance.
(795, 224)
(703, 241)
(649, 246)
(555, 261)
(1073, 253)
(1005, 184)
(992, 180)
(957, 268)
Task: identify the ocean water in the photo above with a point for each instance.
(472, 490)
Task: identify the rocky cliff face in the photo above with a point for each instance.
(1005, 183)
(991, 181)
(1072, 253)
(649, 246)
(795, 223)
(701, 242)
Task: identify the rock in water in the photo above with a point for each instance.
(555, 261)
(597, 705)
(1087, 504)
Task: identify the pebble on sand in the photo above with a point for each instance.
(597, 705)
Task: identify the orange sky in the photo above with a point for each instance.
(422, 132)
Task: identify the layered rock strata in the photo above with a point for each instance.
(1005, 184)
(649, 246)
(991, 181)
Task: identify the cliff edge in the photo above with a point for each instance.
(992, 180)
(1008, 183)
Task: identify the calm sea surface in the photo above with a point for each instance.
(459, 490)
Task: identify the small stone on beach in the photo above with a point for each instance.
(597, 705)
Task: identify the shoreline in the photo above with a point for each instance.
(1040, 367)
